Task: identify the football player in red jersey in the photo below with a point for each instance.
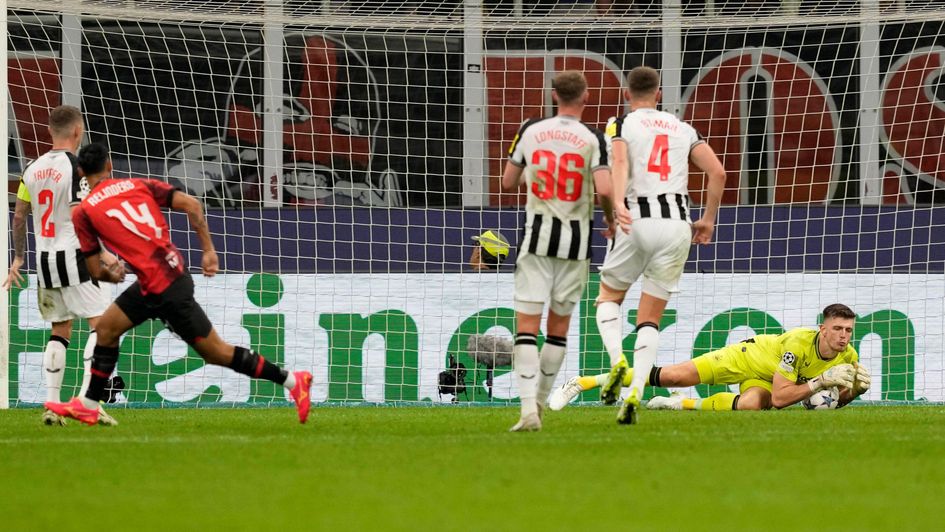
(125, 214)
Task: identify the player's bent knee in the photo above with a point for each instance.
(214, 350)
(747, 404)
(652, 288)
(563, 308)
(559, 322)
(608, 294)
(62, 328)
(106, 334)
(753, 402)
(531, 308)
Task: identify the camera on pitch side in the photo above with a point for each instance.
(452, 380)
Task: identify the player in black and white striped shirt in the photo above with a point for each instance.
(651, 152)
(562, 161)
(52, 187)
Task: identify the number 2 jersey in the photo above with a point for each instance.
(126, 215)
(559, 156)
(52, 186)
(658, 156)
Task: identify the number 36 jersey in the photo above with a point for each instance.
(126, 215)
(559, 156)
(658, 155)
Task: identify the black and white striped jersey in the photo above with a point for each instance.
(53, 187)
(559, 156)
(659, 146)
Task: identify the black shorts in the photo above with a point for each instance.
(175, 306)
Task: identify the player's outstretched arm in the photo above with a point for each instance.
(705, 159)
(181, 201)
(19, 244)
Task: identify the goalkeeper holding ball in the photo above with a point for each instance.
(771, 370)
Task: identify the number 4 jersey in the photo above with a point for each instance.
(126, 215)
(659, 146)
(559, 156)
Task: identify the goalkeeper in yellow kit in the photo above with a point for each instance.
(771, 370)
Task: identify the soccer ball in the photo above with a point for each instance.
(827, 399)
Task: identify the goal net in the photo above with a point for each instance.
(347, 152)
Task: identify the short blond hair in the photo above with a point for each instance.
(62, 119)
(569, 86)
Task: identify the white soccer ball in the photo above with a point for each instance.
(826, 399)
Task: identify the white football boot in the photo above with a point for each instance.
(673, 402)
(562, 396)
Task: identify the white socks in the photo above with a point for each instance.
(525, 355)
(54, 365)
(87, 372)
(552, 355)
(289, 381)
(87, 363)
(644, 355)
(610, 326)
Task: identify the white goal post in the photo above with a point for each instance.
(349, 150)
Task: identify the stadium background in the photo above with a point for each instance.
(183, 80)
(405, 146)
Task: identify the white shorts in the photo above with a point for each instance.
(84, 300)
(656, 248)
(539, 279)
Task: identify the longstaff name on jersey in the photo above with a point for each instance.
(563, 136)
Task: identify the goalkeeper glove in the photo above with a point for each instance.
(839, 375)
(861, 381)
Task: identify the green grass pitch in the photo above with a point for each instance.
(442, 468)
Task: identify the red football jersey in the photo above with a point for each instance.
(126, 215)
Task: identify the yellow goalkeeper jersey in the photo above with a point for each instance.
(794, 354)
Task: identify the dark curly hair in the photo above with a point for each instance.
(92, 158)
